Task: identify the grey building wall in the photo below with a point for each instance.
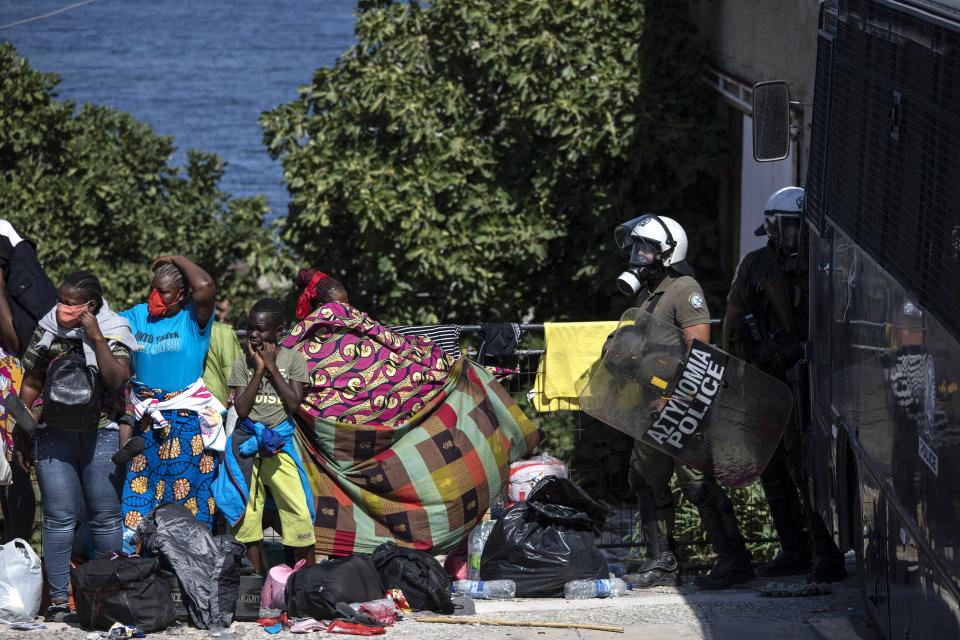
(751, 41)
(756, 40)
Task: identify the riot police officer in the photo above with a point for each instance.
(766, 318)
(667, 290)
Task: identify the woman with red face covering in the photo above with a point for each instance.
(177, 418)
(79, 338)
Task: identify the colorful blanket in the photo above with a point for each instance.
(407, 444)
(364, 373)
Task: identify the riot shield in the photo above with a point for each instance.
(707, 409)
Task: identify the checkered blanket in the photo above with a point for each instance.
(421, 477)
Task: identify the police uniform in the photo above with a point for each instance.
(748, 293)
(679, 300)
(790, 508)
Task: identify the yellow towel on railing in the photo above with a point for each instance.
(570, 349)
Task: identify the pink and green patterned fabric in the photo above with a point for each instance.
(11, 374)
(362, 372)
(407, 444)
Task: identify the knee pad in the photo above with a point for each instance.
(697, 493)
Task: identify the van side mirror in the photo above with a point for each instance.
(771, 121)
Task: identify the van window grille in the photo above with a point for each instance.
(892, 175)
(816, 173)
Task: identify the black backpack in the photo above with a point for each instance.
(72, 394)
(323, 591)
(417, 573)
(129, 590)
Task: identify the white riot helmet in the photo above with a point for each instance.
(781, 219)
(655, 243)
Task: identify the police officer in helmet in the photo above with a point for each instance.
(766, 319)
(667, 290)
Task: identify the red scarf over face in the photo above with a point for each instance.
(305, 301)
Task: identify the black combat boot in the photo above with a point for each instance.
(828, 561)
(788, 515)
(787, 562)
(727, 572)
(734, 564)
(660, 569)
(827, 569)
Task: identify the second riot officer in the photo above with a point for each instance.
(766, 318)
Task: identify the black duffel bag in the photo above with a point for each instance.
(323, 591)
(423, 581)
(547, 541)
(129, 590)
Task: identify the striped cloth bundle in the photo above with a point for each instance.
(445, 335)
(407, 444)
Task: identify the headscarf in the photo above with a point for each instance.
(309, 294)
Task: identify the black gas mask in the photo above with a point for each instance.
(783, 230)
(645, 267)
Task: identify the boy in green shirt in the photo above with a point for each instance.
(268, 386)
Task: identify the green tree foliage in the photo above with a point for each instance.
(468, 160)
(94, 188)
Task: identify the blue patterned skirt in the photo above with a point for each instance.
(174, 467)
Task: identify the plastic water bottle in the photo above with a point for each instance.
(583, 589)
(478, 538)
(486, 589)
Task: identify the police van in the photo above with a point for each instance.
(883, 215)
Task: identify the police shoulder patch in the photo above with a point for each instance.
(696, 301)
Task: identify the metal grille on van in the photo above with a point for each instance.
(819, 136)
(892, 182)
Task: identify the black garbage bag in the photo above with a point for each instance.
(207, 567)
(129, 590)
(417, 573)
(547, 541)
(323, 591)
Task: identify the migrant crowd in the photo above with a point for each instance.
(153, 426)
(340, 432)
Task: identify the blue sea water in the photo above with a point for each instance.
(199, 70)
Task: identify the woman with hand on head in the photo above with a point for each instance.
(178, 419)
(80, 339)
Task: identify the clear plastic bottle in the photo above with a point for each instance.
(486, 589)
(583, 589)
(478, 538)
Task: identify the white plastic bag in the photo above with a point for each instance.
(6, 473)
(21, 582)
(524, 474)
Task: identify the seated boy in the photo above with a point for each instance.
(268, 385)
